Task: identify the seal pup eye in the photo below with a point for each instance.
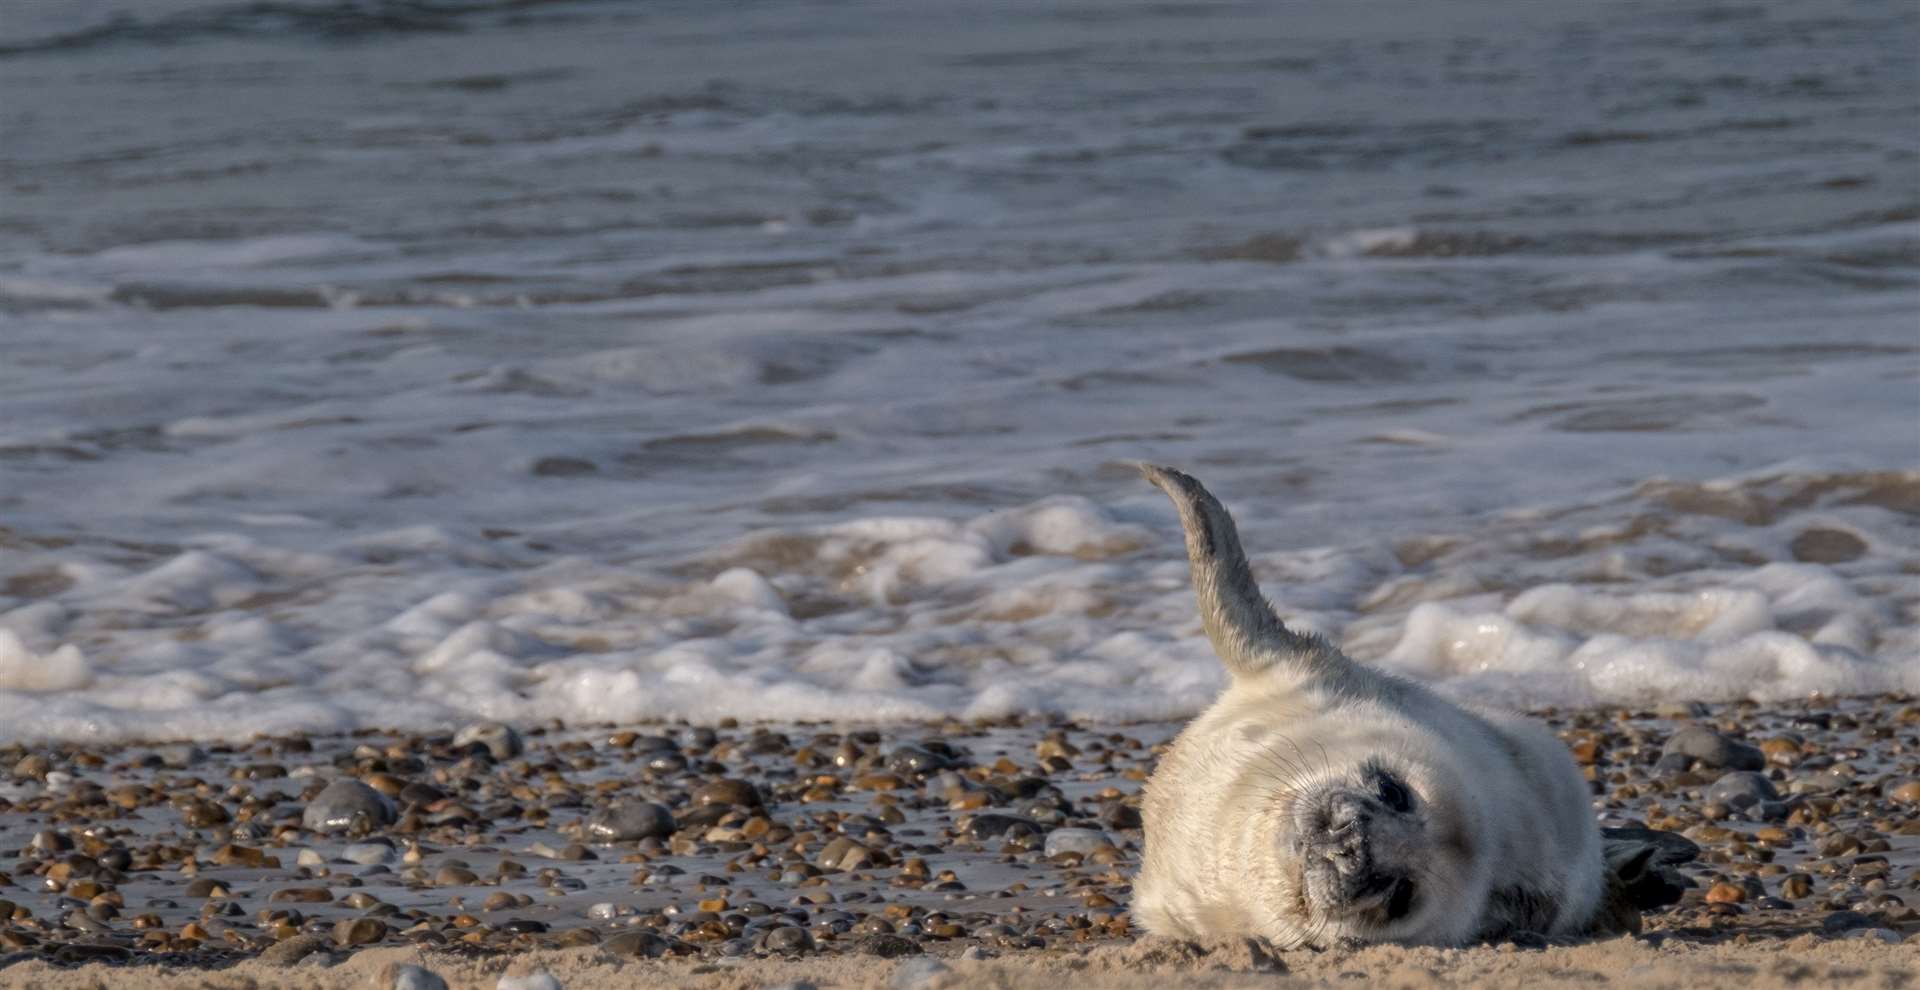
(1394, 794)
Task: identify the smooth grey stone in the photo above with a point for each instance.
(416, 978)
(335, 808)
(1075, 840)
(501, 741)
(1713, 749)
(665, 761)
(368, 853)
(629, 822)
(180, 757)
(789, 939)
(1742, 789)
(911, 759)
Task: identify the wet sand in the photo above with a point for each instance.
(920, 855)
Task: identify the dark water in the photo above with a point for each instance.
(532, 283)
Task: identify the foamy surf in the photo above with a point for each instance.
(1064, 606)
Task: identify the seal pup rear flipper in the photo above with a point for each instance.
(1240, 623)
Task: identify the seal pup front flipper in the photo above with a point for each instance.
(1240, 623)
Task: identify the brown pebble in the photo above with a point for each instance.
(204, 814)
(1726, 893)
(302, 895)
(727, 791)
(971, 801)
(359, 931)
(232, 855)
(455, 876)
(1907, 793)
(879, 782)
(292, 950)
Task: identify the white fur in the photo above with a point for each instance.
(1503, 812)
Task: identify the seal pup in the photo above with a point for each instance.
(1320, 802)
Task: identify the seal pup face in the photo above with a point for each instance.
(1380, 852)
(1358, 833)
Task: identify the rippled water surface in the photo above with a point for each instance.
(392, 363)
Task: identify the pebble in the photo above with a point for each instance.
(1075, 840)
(990, 826)
(1713, 749)
(368, 853)
(336, 807)
(413, 978)
(637, 944)
(1748, 791)
(889, 946)
(455, 876)
(727, 791)
(917, 973)
(789, 939)
(1726, 893)
(359, 931)
(537, 980)
(915, 760)
(180, 757)
(500, 741)
(629, 822)
(289, 951)
(1845, 921)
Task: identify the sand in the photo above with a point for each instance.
(1807, 961)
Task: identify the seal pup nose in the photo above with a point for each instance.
(1344, 841)
(1347, 813)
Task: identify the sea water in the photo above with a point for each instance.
(395, 364)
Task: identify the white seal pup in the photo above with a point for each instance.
(1321, 802)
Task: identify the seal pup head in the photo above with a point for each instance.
(1325, 808)
(1376, 847)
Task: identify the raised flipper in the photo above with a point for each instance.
(1244, 630)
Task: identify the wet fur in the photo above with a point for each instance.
(1502, 838)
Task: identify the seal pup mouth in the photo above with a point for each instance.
(1383, 900)
(1345, 869)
